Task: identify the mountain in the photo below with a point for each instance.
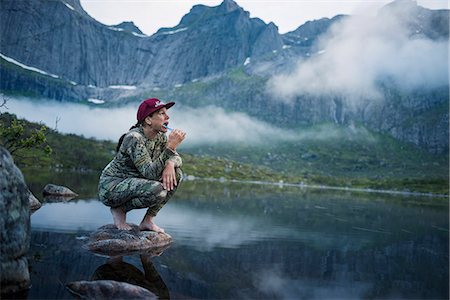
(214, 56)
(60, 38)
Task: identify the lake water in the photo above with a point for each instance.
(244, 241)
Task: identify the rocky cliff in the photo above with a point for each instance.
(60, 38)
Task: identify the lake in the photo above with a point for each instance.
(250, 241)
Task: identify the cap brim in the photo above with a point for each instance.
(169, 105)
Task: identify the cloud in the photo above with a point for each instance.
(212, 125)
(106, 124)
(207, 125)
(360, 51)
(204, 126)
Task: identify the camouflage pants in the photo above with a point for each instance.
(135, 193)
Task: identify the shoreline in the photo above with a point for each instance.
(322, 187)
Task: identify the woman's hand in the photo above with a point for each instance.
(169, 179)
(175, 139)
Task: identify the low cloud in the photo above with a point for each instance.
(204, 126)
(212, 125)
(208, 125)
(360, 51)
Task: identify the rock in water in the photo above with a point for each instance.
(34, 202)
(57, 190)
(111, 241)
(14, 226)
(108, 289)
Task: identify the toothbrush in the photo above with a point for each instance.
(167, 127)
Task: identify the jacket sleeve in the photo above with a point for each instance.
(176, 159)
(135, 148)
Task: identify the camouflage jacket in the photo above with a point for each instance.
(141, 157)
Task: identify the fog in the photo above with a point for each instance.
(204, 126)
(359, 51)
(208, 125)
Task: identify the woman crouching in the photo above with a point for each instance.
(146, 170)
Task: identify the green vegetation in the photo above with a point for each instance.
(350, 158)
(342, 156)
(25, 145)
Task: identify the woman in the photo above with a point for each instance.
(146, 169)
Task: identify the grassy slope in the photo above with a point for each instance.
(367, 161)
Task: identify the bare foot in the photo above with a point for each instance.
(150, 226)
(119, 217)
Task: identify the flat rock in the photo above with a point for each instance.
(58, 190)
(108, 289)
(111, 241)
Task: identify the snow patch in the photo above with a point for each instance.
(138, 34)
(73, 82)
(286, 46)
(274, 51)
(247, 61)
(11, 60)
(321, 52)
(178, 85)
(92, 86)
(156, 89)
(123, 87)
(175, 31)
(70, 7)
(116, 29)
(96, 101)
(132, 32)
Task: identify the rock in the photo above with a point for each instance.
(108, 289)
(58, 190)
(111, 241)
(14, 226)
(34, 202)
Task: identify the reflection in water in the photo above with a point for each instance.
(240, 242)
(116, 269)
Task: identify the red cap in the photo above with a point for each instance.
(149, 106)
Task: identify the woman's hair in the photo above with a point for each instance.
(119, 143)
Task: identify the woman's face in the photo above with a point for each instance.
(158, 119)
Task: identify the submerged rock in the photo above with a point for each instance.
(111, 241)
(108, 289)
(58, 190)
(14, 227)
(34, 202)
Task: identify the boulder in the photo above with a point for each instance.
(108, 289)
(58, 190)
(34, 202)
(14, 226)
(111, 241)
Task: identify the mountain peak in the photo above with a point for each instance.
(229, 6)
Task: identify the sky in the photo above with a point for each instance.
(150, 15)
